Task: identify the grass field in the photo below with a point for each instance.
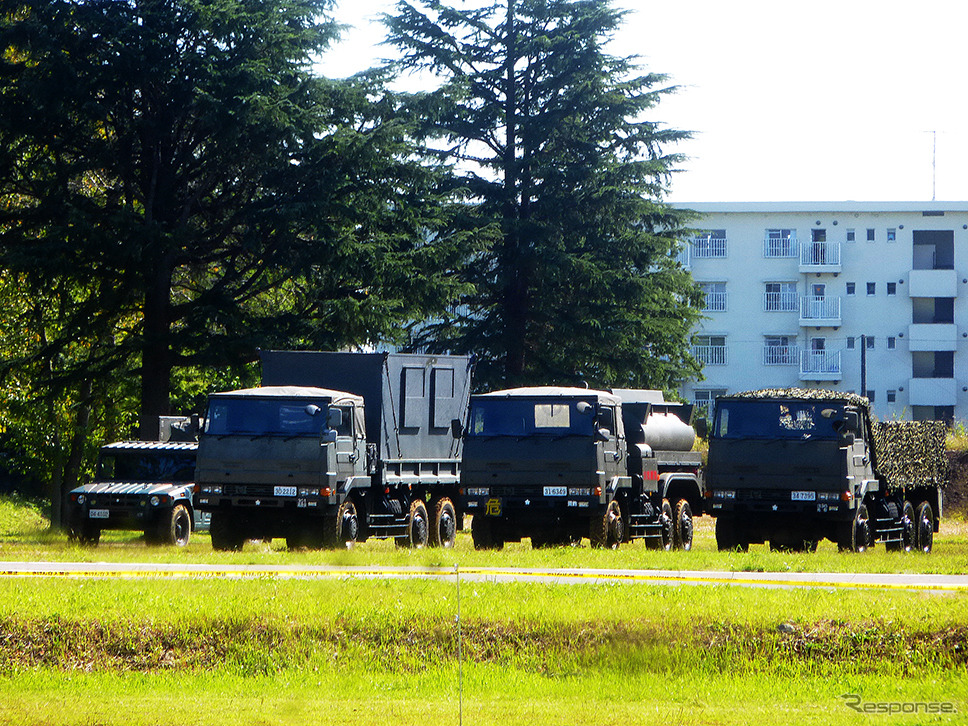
(337, 651)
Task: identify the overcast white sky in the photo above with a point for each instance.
(789, 101)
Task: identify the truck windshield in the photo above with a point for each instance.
(524, 417)
(144, 466)
(778, 420)
(265, 416)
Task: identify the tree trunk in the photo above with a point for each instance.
(156, 352)
(72, 469)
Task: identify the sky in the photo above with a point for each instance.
(859, 100)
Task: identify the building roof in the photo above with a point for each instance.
(809, 207)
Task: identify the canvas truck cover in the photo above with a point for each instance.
(410, 398)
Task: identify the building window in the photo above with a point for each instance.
(891, 342)
(892, 288)
(778, 351)
(891, 235)
(870, 342)
(703, 400)
(780, 297)
(710, 350)
(850, 343)
(714, 296)
(711, 244)
(851, 288)
(870, 395)
(851, 235)
(892, 396)
(870, 235)
(780, 243)
(871, 288)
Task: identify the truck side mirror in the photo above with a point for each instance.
(335, 418)
(585, 408)
(457, 428)
(701, 425)
(602, 435)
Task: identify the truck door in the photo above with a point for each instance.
(612, 448)
(349, 442)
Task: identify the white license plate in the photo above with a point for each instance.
(99, 514)
(556, 491)
(803, 496)
(284, 491)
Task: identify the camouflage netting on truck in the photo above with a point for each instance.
(906, 453)
(911, 453)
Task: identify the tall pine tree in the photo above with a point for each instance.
(559, 153)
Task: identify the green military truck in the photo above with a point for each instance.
(561, 464)
(794, 466)
(336, 448)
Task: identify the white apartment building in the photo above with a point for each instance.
(825, 294)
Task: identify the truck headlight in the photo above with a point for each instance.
(212, 489)
(308, 491)
(478, 491)
(81, 499)
(724, 493)
(579, 491)
(155, 501)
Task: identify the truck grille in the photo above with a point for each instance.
(247, 490)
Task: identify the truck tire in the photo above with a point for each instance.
(856, 534)
(443, 533)
(682, 530)
(909, 532)
(225, 536)
(728, 535)
(418, 525)
(924, 527)
(174, 528)
(486, 533)
(609, 530)
(88, 535)
(667, 523)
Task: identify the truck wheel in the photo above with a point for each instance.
(860, 530)
(444, 530)
(909, 532)
(609, 530)
(728, 535)
(89, 535)
(418, 525)
(667, 522)
(486, 533)
(347, 524)
(682, 532)
(924, 527)
(174, 528)
(224, 534)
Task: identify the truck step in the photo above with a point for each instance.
(387, 525)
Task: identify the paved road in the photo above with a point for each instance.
(832, 580)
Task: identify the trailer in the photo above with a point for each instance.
(336, 448)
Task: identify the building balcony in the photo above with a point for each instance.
(932, 392)
(821, 312)
(820, 366)
(781, 302)
(933, 336)
(710, 355)
(933, 283)
(684, 258)
(781, 355)
(709, 248)
(820, 257)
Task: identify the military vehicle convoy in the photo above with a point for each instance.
(561, 464)
(795, 466)
(140, 485)
(335, 448)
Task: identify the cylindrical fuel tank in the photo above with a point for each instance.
(667, 432)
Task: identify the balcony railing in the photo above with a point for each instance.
(708, 247)
(781, 355)
(684, 256)
(710, 355)
(820, 254)
(715, 302)
(815, 309)
(819, 365)
(780, 247)
(780, 302)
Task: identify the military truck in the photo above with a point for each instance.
(335, 448)
(795, 466)
(561, 464)
(139, 485)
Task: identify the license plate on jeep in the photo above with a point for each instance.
(556, 491)
(284, 491)
(99, 514)
(803, 496)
